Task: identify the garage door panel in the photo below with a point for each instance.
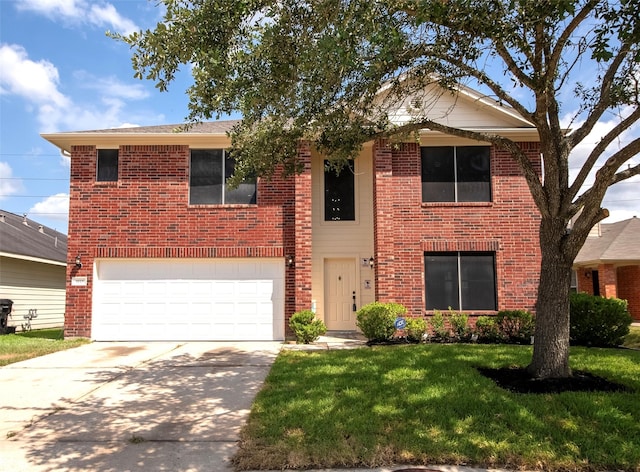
(189, 299)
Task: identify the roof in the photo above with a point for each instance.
(209, 133)
(23, 238)
(617, 242)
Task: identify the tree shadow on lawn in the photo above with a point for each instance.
(169, 414)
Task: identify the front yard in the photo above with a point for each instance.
(428, 404)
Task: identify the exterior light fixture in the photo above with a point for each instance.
(290, 261)
(371, 262)
(78, 262)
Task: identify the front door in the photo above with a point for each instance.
(339, 289)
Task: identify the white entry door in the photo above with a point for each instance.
(340, 286)
(188, 299)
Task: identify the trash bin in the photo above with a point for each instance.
(5, 311)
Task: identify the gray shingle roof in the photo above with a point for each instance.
(208, 127)
(618, 242)
(24, 237)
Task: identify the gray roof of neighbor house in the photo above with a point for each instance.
(617, 242)
(21, 237)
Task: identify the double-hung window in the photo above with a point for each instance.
(460, 280)
(456, 174)
(209, 172)
(107, 165)
(339, 193)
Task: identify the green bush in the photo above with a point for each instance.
(376, 320)
(415, 329)
(516, 326)
(598, 321)
(306, 326)
(439, 327)
(487, 330)
(459, 326)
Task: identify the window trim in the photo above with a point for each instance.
(459, 255)
(225, 156)
(356, 207)
(456, 202)
(110, 181)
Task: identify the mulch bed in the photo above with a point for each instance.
(518, 380)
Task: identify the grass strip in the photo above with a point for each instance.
(23, 346)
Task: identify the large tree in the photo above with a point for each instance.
(314, 69)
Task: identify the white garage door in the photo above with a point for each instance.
(184, 300)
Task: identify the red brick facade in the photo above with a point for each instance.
(146, 214)
(406, 228)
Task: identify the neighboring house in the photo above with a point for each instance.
(32, 271)
(609, 263)
(169, 253)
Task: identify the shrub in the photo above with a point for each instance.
(487, 330)
(415, 329)
(306, 326)
(598, 321)
(516, 325)
(459, 326)
(376, 320)
(441, 331)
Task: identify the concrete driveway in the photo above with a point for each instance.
(130, 406)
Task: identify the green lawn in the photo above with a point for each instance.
(427, 404)
(22, 346)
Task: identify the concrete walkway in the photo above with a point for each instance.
(130, 406)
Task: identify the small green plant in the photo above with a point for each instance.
(516, 325)
(487, 330)
(376, 320)
(459, 326)
(598, 321)
(135, 439)
(306, 326)
(415, 329)
(439, 327)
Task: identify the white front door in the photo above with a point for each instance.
(340, 286)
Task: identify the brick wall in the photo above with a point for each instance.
(146, 213)
(405, 228)
(629, 288)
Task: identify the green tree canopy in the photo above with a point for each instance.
(333, 71)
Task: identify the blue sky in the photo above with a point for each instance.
(60, 72)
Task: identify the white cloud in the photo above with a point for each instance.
(79, 12)
(55, 207)
(36, 81)
(8, 185)
(111, 86)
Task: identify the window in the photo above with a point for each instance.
(456, 174)
(339, 193)
(460, 280)
(209, 172)
(107, 167)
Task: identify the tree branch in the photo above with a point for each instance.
(604, 100)
(600, 148)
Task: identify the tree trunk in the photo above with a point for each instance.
(551, 339)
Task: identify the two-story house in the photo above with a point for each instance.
(161, 249)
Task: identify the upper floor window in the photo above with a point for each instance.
(460, 280)
(339, 193)
(456, 174)
(210, 170)
(107, 166)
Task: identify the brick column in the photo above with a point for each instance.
(302, 234)
(383, 221)
(608, 279)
